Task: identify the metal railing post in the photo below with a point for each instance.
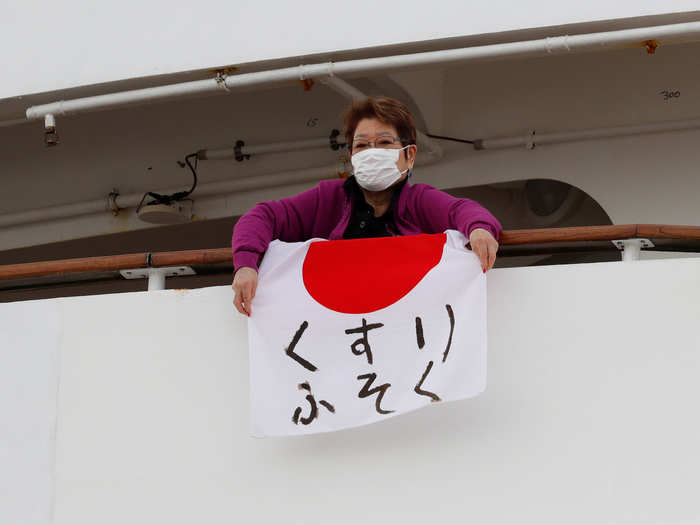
(156, 276)
(156, 279)
(631, 248)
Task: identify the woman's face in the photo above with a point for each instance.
(371, 130)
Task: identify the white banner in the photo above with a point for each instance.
(349, 332)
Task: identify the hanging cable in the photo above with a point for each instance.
(178, 196)
(453, 139)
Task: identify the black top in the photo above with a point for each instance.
(363, 223)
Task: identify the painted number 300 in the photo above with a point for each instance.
(670, 94)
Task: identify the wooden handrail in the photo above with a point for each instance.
(210, 256)
(667, 231)
(223, 255)
(114, 262)
(575, 234)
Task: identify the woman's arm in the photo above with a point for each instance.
(290, 219)
(439, 212)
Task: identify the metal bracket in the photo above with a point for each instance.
(333, 139)
(631, 247)
(650, 46)
(530, 140)
(50, 133)
(156, 276)
(237, 149)
(112, 199)
(307, 82)
(221, 80)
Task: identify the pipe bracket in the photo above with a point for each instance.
(530, 140)
(650, 46)
(238, 151)
(50, 133)
(306, 78)
(333, 139)
(112, 202)
(221, 81)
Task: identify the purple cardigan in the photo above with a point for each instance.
(324, 211)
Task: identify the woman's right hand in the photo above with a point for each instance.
(245, 282)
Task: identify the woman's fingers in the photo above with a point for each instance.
(492, 249)
(244, 285)
(485, 247)
(243, 299)
(481, 251)
(238, 303)
(235, 297)
(254, 289)
(239, 300)
(247, 297)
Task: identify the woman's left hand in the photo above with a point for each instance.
(484, 246)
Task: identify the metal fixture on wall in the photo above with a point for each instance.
(169, 208)
(50, 134)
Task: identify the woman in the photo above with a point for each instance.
(376, 201)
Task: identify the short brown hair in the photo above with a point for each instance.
(386, 110)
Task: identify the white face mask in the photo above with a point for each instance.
(376, 169)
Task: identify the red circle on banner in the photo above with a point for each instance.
(357, 276)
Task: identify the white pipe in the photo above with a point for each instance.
(124, 98)
(667, 34)
(132, 200)
(13, 122)
(569, 136)
(343, 88)
(258, 182)
(276, 147)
